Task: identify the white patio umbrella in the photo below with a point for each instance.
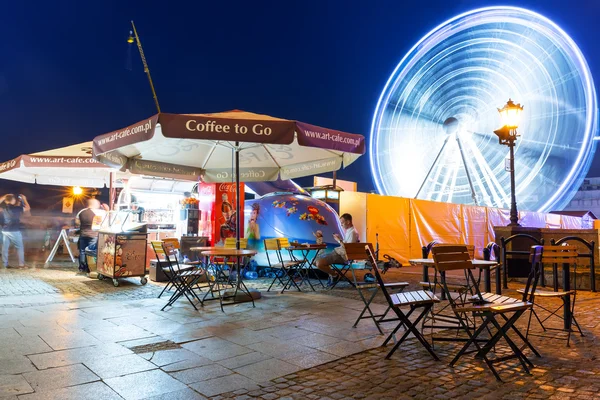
(222, 147)
(65, 166)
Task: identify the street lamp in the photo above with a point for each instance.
(510, 115)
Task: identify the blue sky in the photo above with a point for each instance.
(64, 74)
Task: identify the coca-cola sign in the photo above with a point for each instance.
(206, 190)
(227, 187)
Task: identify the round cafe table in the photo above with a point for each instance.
(220, 258)
(306, 262)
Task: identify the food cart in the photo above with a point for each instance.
(122, 247)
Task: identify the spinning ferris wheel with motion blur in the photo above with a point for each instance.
(433, 137)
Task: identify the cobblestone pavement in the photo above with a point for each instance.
(65, 335)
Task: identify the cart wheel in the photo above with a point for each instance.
(144, 280)
(116, 283)
(100, 277)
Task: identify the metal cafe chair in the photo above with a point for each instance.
(488, 307)
(566, 255)
(293, 267)
(354, 252)
(439, 316)
(419, 299)
(590, 246)
(363, 289)
(165, 263)
(183, 280)
(279, 265)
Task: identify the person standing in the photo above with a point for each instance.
(87, 236)
(12, 210)
(338, 255)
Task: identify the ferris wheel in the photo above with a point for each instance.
(432, 135)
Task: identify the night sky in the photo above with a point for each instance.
(67, 73)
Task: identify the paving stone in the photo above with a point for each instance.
(88, 391)
(69, 340)
(186, 394)
(176, 359)
(267, 370)
(244, 359)
(198, 374)
(223, 384)
(110, 367)
(216, 349)
(12, 385)
(144, 384)
(15, 365)
(77, 356)
(121, 333)
(61, 377)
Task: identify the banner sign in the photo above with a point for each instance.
(209, 127)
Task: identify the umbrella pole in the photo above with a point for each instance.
(237, 198)
(111, 192)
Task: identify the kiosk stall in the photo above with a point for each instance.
(122, 247)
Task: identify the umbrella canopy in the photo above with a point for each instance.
(66, 166)
(189, 146)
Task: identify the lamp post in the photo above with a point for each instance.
(510, 116)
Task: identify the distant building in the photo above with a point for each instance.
(587, 199)
(587, 217)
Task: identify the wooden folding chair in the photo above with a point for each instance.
(565, 254)
(363, 289)
(172, 266)
(419, 299)
(281, 266)
(488, 307)
(291, 266)
(354, 252)
(183, 280)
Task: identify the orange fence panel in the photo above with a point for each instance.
(388, 216)
(434, 221)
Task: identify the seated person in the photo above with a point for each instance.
(338, 255)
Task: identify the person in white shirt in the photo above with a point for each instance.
(338, 255)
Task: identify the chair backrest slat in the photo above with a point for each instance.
(173, 241)
(157, 246)
(229, 243)
(431, 245)
(271, 244)
(284, 243)
(451, 257)
(356, 251)
(560, 254)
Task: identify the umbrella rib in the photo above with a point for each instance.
(212, 150)
(271, 155)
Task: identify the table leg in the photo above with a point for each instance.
(305, 270)
(499, 279)
(425, 273)
(566, 275)
(487, 285)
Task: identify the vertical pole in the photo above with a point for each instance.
(237, 198)
(514, 215)
(111, 192)
(146, 69)
(334, 180)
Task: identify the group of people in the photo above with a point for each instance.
(13, 207)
